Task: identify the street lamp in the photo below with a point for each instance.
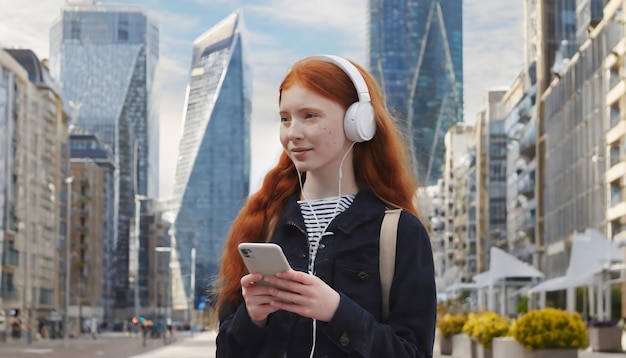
(68, 239)
(157, 250)
(138, 199)
(192, 293)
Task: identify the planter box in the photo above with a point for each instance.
(463, 346)
(508, 347)
(445, 345)
(552, 353)
(605, 339)
(482, 352)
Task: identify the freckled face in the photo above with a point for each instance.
(311, 130)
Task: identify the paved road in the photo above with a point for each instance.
(202, 345)
(109, 345)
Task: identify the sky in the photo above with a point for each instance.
(278, 32)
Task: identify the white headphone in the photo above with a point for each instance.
(359, 122)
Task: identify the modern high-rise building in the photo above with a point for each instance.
(416, 54)
(213, 169)
(105, 58)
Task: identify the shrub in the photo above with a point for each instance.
(551, 328)
(450, 324)
(486, 326)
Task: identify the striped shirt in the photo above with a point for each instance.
(317, 216)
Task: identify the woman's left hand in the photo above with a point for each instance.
(309, 297)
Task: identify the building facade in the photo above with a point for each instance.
(87, 151)
(33, 129)
(458, 250)
(520, 129)
(86, 243)
(574, 127)
(416, 54)
(212, 173)
(106, 58)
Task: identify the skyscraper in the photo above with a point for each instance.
(416, 54)
(213, 169)
(106, 58)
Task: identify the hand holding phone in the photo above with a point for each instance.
(267, 259)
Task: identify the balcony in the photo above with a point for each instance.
(526, 185)
(526, 221)
(9, 293)
(83, 229)
(614, 115)
(12, 258)
(528, 140)
(526, 180)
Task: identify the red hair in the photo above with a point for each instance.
(381, 165)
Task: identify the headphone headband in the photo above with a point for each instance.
(359, 121)
(352, 72)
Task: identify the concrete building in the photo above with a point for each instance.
(87, 149)
(458, 251)
(614, 154)
(574, 126)
(86, 242)
(520, 122)
(432, 208)
(33, 128)
(490, 178)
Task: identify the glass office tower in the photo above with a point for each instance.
(416, 54)
(105, 58)
(213, 169)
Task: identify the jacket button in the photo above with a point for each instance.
(344, 340)
(303, 256)
(363, 276)
(321, 246)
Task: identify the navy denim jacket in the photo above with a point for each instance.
(347, 260)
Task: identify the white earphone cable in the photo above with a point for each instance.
(314, 338)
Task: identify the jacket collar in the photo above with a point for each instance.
(366, 207)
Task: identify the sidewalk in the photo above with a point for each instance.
(202, 345)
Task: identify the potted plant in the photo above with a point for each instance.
(605, 336)
(483, 328)
(551, 333)
(449, 325)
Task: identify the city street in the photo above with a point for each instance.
(202, 345)
(113, 345)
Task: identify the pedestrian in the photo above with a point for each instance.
(144, 333)
(344, 163)
(94, 328)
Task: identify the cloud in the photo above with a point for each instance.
(493, 49)
(348, 16)
(27, 25)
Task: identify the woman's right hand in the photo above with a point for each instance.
(257, 299)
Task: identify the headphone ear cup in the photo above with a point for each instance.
(359, 123)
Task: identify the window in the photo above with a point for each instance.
(122, 28)
(75, 29)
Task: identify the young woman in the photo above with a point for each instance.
(344, 163)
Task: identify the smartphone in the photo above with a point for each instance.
(265, 258)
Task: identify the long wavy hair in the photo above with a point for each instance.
(381, 165)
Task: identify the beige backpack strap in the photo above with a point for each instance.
(387, 261)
